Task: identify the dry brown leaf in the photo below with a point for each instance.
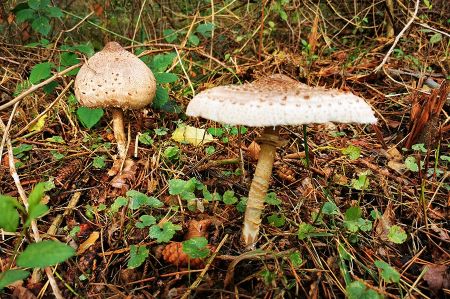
(384, 223)
(397, 166)
(437, 277)
(253, 151)
(88, 243)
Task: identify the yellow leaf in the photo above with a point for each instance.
(39, 125)
(88, 243)
(192, 135)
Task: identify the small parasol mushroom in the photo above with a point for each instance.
(115, 78)
(271, 102)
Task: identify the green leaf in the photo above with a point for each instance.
(205, 29)
(23, 148)
(41, 24)
(161, 62)
(276, 220)
(138, 255)
(229, 198)
(25, 14)
(397, 234)
(89, 117)
(296, 259)
(146, 220)
(411, 164)
(216, 132)
(353, 152)
(170, 35)
(53, 12)
(35, 212)
(419, 147)
(305, 230)
(139, 199)
(9, 221)
(41, 72)
(193, 39)
(44, 254)
(145, 138)
(330, 208)
(357, 290)
(388, 273)
(172, 152)
(99, 162)
(196, 247)
(34, 4)
(163, 78)
(164, 233)
(68, 59)
(435, 38)
(242, 204)
(118, 203)
(37, 193)
(176, 186)
(272, 199)
(10, 276)
(362, 182)
(161, 98)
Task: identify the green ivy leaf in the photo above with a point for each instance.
(10, 276)
(164, 233)
(44, 254)
(138, 255)
(353, 152)
(397, 234)
(388, 273)
(357, 290)
(146, 220)
(276, 220)
(229, 198)
(139, 199)
(272, 199)
(196, 247)
(89, 117)
(41, 72)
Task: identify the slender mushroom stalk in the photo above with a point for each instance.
(269, 141)
(115, 78)
(270, 102)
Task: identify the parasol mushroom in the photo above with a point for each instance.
(271, 102)
(115, 78)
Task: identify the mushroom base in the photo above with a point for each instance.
(269, 140)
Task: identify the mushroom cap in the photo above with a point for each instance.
(115, 77)
(279, 100)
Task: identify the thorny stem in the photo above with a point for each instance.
(269, 140)
(119, 132)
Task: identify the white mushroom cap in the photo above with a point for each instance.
(115, 77)
(279, 100)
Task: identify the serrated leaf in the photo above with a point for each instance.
(34, 4)
(164, 78)
(161, 62)
(99, 162)
(276, 220)
(170, 35)
(357, 290)
(145, 138)
(118, 203)
(397, 234)
(296, 259)
(205, 29)
(146, 220)
(193, 39)
(24, 14)
(330, 208)
(138, 255)
(388, 273)
(353, 152)
(10, 276)
(196, 247)
(41, 72)
(272, 199)
(89, 117)
(53, 12)
(41, 24)
(411, 164)
(191, 135)
(44, 254)
(304, 230)
(161, 98)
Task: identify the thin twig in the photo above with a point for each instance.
(397, 38)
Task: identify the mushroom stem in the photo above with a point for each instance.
(119, 132)
(269, 141)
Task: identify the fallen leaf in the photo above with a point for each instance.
(39, 125)
(437, 277)
(397, 166)
(253, 151)
(192, 135)
(88, 243)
